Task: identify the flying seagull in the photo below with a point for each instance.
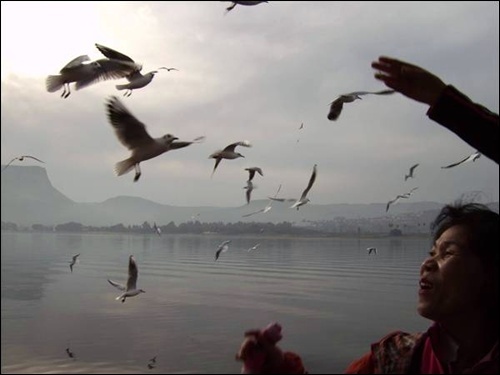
(410, 173)
(234, 3)
(303, 198)
(249, 189)
(130, 290)
(228, 153)
(70, 353)
(73, 261)
(267, 208)
(223, 247)
(136, 79)
(133, 134)
(371, 250)
(399, 197)
(337, 104)
(157, 229)
(21, 158)
(254, 247)
(251, 172)
(473, 157)
(85, 74)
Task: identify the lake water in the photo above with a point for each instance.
(332, 299)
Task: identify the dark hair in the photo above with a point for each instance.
(483, 239)
(481, 223)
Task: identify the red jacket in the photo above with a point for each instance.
(405, 353)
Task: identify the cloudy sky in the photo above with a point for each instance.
(255, 73)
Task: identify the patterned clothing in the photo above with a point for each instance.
(418, 353)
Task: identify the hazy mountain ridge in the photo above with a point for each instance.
(28, 197)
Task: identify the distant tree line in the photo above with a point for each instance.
(191, 227)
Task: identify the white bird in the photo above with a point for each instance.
(303, 198)
(371, 250)
(133, 134)
(410, 173)
(223, 247)
(399, 197)
(131, 289)
(157, 229)
(21, 158)
(254, 247)
(136, 79)
(249, 189)
(228, 153)
(251, 172)
(267, 208)
(337, 104)
(234, 3)
(73, 261)
(473, 157)
(85, 74)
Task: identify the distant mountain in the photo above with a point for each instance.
(28, 197)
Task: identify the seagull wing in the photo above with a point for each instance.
(75, 62)
(413, 168)
(232, 146)
(383, 92)
(335, 109)
(32, 157)
(112, 54)
(75, 256)
(457, 163)
(105, 69)
(130, 131)
(9, 163)
(256, 212)
(132, 273)
(310, 184)
(117, 285)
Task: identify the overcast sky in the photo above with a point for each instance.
(255, 73)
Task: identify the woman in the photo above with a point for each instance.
(459, 293)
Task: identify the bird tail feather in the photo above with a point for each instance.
(54, 83)
(124, 166)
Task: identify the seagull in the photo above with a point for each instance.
(267, 208)
(73, 261)
(249, 189)
(70, 353)
(136, 79)
(130, 290)
(157, 229)
(400, 196)
(337, 104)
(251, 172)
(21, 158)
(254, 247)
(473, 157)
(301, 126)
(410, 174)
(228, 153)
(234, 3)
(223, 247)
(133, 134)
(303, 198)
(371, 250)
(85, 74)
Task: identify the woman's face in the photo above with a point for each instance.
(451, 278)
